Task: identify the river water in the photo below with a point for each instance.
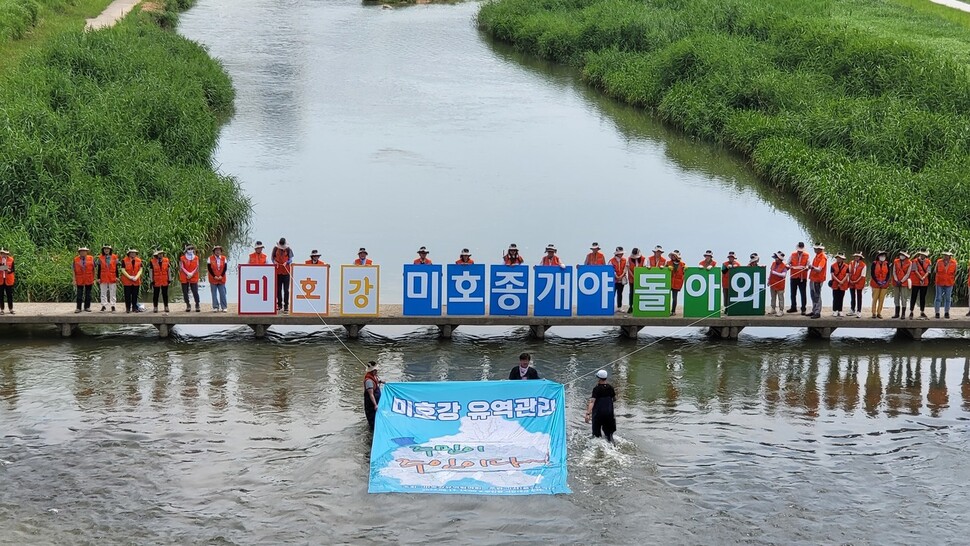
(391, 129)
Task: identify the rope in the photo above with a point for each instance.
(329, 328)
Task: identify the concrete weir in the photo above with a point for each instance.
(63, 317)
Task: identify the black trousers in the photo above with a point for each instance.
(6, 292)
(604, 426)
(919, 291)
(673, 301)
(155, 291)
(838, 296)
(282, 291)
(84, 296)
(619, 296)
(631, 298)
(798, 286)
(855, 299)
(131, 298)
(194, 287)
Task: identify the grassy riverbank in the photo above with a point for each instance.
(858, 108)
(107, 137)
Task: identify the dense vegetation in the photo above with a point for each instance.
(106, 137)
(859, 108)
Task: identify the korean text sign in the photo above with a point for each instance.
(702, 292)
(257, 290)
(553, 291)
(422, 290)
(746, 291)
(360, 290)
(466, 289)
(509, 290)
(310, 290)
(595, 290)
(651, 292)
(470, 437)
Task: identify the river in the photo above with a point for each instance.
(392, 129)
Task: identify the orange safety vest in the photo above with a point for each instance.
(191, 266)
(820, 261)
(777, 282)
(880, 274)
(842, 271)
(218, 269)
(160, 271)
(459, 261)
(84, 271)
(946, 275)
(7, 277)
(419, 261)
(318, 262)
(857, 275)
(656, 261)
(258, 258)
(551, 260)
(726, 267)
(900, 271)
(512, 261)
(922, 268)
(365, 262)
(595, 258)
(712, 263)
(619, 264)
(132, 266)
(280, 257)
(632, 264)
(677, 275)
(108, 268)
(799, 265)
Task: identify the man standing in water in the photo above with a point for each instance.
(372, 393)
(599, 411)
(524, 370)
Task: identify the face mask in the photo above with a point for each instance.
(190, 254)
(882, 258)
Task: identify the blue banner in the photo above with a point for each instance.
(553, 291)
(509, 290)
(470, 437)
(595, 290)
(466, 290)
(422, 290)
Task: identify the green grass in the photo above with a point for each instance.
(106, 137)
(860, 109)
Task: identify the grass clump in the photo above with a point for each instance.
(106, 137)
(858, 108)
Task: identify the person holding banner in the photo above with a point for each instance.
(599, 411)
(217, 267)
(726, 268)
(550, 259)
(677, 268)
(422, 258)
(754, 259)
(372, 393)
(524, 370)
(619, 278)
(465, 258)
(362, 257)
(595, 257)
(798, 265)
(315, 258)
(776, 283)
(512, 257)
(817, 276)
(657, 260)
(636, 260)
(282, 258)
(708, 262)
(256, 257)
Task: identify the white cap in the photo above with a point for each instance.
(601, 374)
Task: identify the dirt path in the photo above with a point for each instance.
(111, 14)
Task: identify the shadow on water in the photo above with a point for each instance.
(720, 165)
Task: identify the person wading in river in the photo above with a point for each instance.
(599, 410)
(921, 282)
(372, 393)
(619, 278)
(902, 283)
(857, 281)
(7, 279)
(817, 276)
(524, 370)
(106, 275)
(879, 283)
(798, 265)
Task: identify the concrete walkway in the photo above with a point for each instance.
(111, 14)
(955, 4)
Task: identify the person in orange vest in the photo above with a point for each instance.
(857, 281)
(465, 258)
(754, 260)
(595, 257)
(131, 270)
(512, 257)
(282, 258)
(816, 276)
(677, 267)
(657, 260)
(422, 258)
(256, 257)
(189, 277)
(106, 275)
(776, 283)
(83, 272)
(161, 268)
(921, 282)
(879, 282)
(708, 262)
(946, 276)
(636, 260)
(362, 257)
(315, 259)
(550, 258)
(798, 265)
(902, 281)
(217, 267)
(619, 279)
(726, 268)
(839, 283)
(7, 279)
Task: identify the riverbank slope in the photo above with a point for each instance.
(106, 137)
(858, 108)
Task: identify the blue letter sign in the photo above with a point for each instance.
(466, 289)
(422, 290)
(553, 291)
(509, 289)
(595, 290)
